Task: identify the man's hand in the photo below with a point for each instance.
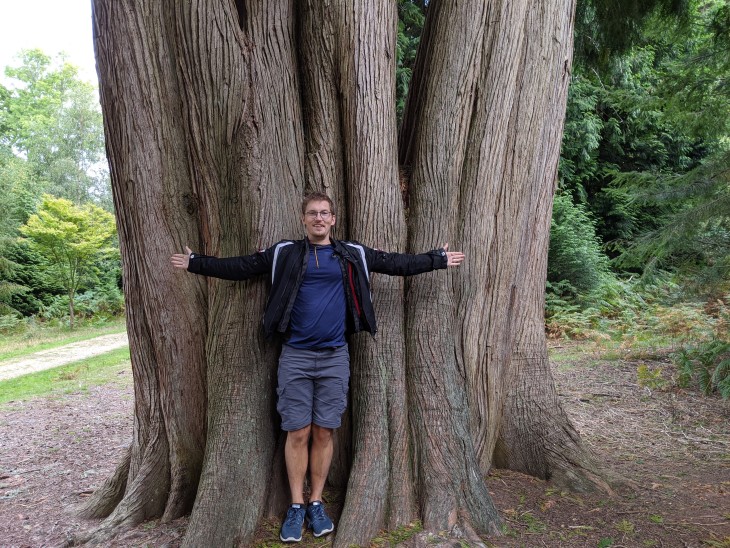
(453, 258)
(179, 260)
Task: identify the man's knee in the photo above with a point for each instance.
(321, 435)
(299, 437)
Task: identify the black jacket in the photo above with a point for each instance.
(286, 262)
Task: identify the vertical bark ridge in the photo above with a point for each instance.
(380, 489)
(433, 144)
(488, 225)
(319, 62)
(145, 143)
(257, 191)
(210, 66)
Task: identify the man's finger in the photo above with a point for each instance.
(188, 251)
(446, 246)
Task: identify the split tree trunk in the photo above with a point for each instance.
(219, 115)
(380, 489)
(535, 435)
(141, 96)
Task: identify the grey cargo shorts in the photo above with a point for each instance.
(312, 386)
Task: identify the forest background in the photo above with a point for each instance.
(640, 237)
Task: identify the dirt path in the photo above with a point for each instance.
(62, 355)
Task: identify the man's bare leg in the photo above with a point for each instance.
(320, 458)
(296, 454)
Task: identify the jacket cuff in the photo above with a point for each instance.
(194, 263)
(441, 259)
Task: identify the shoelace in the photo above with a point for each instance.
(317, 512)
(291, 516)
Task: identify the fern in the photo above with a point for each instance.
(708, 364)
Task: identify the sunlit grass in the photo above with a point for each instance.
(72, 378)
(36, 337)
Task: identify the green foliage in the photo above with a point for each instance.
(410, 24)
(51, 140)
(71, 239)
(31, 272)
(694, 84)
(575, 255)
(605, 29)
(9, 322)
(51, 120)
(12, 175)
(634, 313)
(612, 128)
(645, 149)
(707, 364)
(102, 302)
(650, 378)
(695, 236)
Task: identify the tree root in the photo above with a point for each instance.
(103, 501)
(461, 533)
(145, 497)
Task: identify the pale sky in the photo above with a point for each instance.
(52, 26)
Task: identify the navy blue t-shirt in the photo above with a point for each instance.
(318, 316)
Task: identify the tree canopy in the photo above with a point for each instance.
(71, 238)
(51, 141)
(50, 120)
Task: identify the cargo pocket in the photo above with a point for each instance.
(280, 400)
(344, 390)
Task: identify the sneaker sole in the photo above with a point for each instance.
(290, 539)
(322, 533)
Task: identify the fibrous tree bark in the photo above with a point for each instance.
(219, 116)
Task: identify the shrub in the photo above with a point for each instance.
(575, 254)
(103, 302)
(10, 322)
(707, 364)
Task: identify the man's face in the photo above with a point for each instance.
(318, 221)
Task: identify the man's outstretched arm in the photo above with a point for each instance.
(406, 264)
(231, 268)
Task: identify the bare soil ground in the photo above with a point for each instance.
(673, 445)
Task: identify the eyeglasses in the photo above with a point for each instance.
(324, 214)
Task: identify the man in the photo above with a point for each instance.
(320, 292)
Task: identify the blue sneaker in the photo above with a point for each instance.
(291, 529)
(318, 519)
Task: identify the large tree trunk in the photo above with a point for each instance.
(535, 436)
(219, 115)
(435, 129)
(380, 488)
(154, 188)
(243, 79)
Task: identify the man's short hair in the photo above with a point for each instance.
(317, 197)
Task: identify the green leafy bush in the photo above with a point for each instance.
(575, 254)
(103, 302)
(707, 364)
(10, 322)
